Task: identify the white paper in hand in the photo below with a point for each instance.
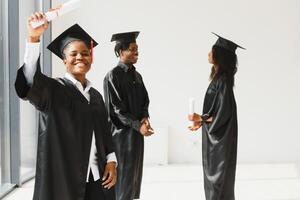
(191, 106)
(63, 9)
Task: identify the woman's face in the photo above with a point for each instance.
(210, 57)
(77, 58)
(131, 54)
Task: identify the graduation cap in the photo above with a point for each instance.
(226, 44)
(74, 33)
(125, 37)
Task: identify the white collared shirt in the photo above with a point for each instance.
(32, 52)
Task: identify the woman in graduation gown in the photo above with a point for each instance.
(127, 104)
(75, 158)
(219, 123)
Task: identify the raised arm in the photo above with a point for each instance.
(30, 83)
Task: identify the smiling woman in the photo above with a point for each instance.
(74, 114)
(77, 59)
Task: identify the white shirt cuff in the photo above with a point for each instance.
(32, 53)
(111, 158)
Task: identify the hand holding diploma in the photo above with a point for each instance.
(56, 12)
(34, 34)
(197, 121)
(191, 108)
(194, 125)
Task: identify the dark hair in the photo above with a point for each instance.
(67, 44)
(121, 46)
(226, 62)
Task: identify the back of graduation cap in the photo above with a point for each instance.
(74, 33)
(125, 37)
(226, 44)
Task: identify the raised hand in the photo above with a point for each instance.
(34, 34)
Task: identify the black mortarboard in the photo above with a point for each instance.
(226, 44)
(73, 33)
(125, 37)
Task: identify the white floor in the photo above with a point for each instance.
(184, 182)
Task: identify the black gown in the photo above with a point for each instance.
(219, 140)
(65, 136)
(127, 103)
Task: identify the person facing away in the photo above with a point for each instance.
(75, 156)
(219, 123)
(127, 102)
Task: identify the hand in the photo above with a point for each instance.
(195, 117)
(110, 175)
(34, 34)
(146, 130)
(147, 122)
(196, 126)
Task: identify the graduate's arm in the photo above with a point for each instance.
(222, 109)
(209, 115)
(114, 102)
(109, 177)
(107, 136)
(146, 117)
(32, 49)
(31, 57)
(146, 103)
(30, 83)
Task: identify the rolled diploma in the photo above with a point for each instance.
(191, 108)
(51, 15)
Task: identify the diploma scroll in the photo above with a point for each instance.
(59, 11)
(191, 108)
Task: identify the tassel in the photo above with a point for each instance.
(91, 51)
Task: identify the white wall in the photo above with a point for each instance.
(174, 41)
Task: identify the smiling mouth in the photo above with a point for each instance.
(79, 63)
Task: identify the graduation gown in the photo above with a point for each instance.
(65, 136)
(219, 140)
(127, 101)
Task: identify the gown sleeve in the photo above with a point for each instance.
(146, 104)
(221, 109)
(39, 93)
(115, 105)
(107, 135)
